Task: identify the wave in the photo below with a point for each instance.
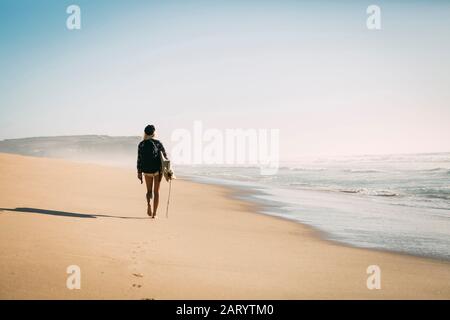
(433, 193)
(422, 193)
(362, 191)
(301, 184)
(439, 169)
(438, 196)
(363, 171)
(378, 193)
(306, 169)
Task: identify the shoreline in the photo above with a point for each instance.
(263, 209)
(213, 246)
(321, 235)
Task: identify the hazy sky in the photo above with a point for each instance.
(312, 70)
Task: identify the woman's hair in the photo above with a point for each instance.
(149, 132)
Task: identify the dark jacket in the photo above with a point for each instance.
(145, 161)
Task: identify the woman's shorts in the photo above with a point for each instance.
(154, 174)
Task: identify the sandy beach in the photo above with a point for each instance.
(56, 213)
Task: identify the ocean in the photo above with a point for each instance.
(399, 203)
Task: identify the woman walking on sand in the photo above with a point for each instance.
(149, 165)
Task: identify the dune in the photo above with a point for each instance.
(56, 213)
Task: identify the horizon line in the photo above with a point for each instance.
(284, 160)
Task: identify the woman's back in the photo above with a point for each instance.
(149, 159)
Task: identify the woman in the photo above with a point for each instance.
(149, 165)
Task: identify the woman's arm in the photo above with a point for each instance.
(139, 162)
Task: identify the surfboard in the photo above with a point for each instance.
(166, 169)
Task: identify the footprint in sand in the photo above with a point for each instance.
(136, 285)
(139, 275)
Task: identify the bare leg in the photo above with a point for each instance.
(157, 181)
(149, 184)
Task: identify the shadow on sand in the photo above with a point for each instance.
(67, 214)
